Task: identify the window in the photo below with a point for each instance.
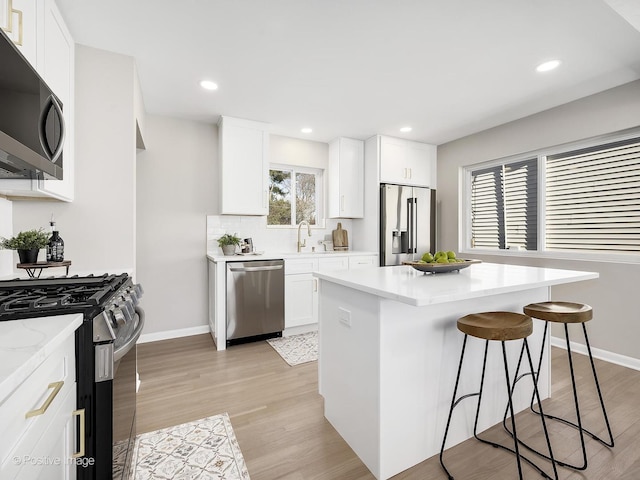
(593, 199)
(295, 194)
(504, 203)
(579, 200)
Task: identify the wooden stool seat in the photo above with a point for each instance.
(560, 312)
(496, 325)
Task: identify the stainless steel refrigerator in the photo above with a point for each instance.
(407, 223)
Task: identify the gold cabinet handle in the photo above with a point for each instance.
(80, 452)
(40, 411)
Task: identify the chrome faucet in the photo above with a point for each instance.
(303, 243)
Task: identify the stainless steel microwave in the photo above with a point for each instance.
(31, 120)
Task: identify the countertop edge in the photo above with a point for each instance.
(219, 258)
(11, 382)
(338, 277)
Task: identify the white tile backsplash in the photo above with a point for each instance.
(268, 239)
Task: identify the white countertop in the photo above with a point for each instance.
(217, 257)
(24, 344)
(407, 285)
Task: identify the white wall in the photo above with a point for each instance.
(296, 151)
(177, 187)
(614, 296)
(98, 227)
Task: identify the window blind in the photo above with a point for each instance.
(487, 208)
(504, 205)
(593, 199)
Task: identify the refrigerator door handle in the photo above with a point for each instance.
(414, 223)
(410, 224)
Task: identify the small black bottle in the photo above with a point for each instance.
(55, 247)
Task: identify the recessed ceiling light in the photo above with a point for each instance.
(405, 129)
(306, 130)
(547, 66)
(208, 85)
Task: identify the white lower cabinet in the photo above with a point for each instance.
(301, 300)
(38, 421)
(301, 287)
(363, 261)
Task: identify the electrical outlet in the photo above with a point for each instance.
(344, 316)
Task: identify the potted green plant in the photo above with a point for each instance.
(228, 243)
(27, 243)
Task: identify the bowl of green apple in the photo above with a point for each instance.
(441, 262)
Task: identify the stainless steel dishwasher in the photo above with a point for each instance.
(255, 299)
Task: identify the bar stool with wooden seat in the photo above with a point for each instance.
(502, 327)
(566, 313)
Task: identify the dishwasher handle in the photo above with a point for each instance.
(255, 269)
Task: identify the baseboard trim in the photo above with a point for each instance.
(169, 334)
(622, 360)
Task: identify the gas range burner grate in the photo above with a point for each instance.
(24, 298)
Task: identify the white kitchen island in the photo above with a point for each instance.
(389, 350)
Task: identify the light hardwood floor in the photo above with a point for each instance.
(277, 415)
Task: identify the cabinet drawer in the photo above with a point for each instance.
(333, 263)
(363, 261)
(46, 452)
(35, 392)
(300, 265)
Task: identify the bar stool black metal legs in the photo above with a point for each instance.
(499, 326)
(565, 312)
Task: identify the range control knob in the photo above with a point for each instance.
(108, 315)
(128, 298)
(129, 310)
(132, 293)
(119, 316)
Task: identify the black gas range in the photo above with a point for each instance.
(106, 370)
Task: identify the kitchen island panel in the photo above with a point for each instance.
(349, 376)
(387, 380)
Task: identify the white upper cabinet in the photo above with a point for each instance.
(48, 45)
(244, 166)
(346, 178)
(407, 162)
(19, 21)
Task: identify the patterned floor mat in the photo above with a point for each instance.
(297, 349)
(205, 449)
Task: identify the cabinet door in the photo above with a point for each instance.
(420, 162)
(351, 199)
(19, 22)
(346, 178)
(393, 168)
(56, 52)
(301, 300)
(244, 168)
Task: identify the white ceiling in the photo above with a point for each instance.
(357, 68)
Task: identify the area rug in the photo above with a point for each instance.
(205, 449)
(297, 349)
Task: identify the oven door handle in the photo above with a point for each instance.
(124, 349)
